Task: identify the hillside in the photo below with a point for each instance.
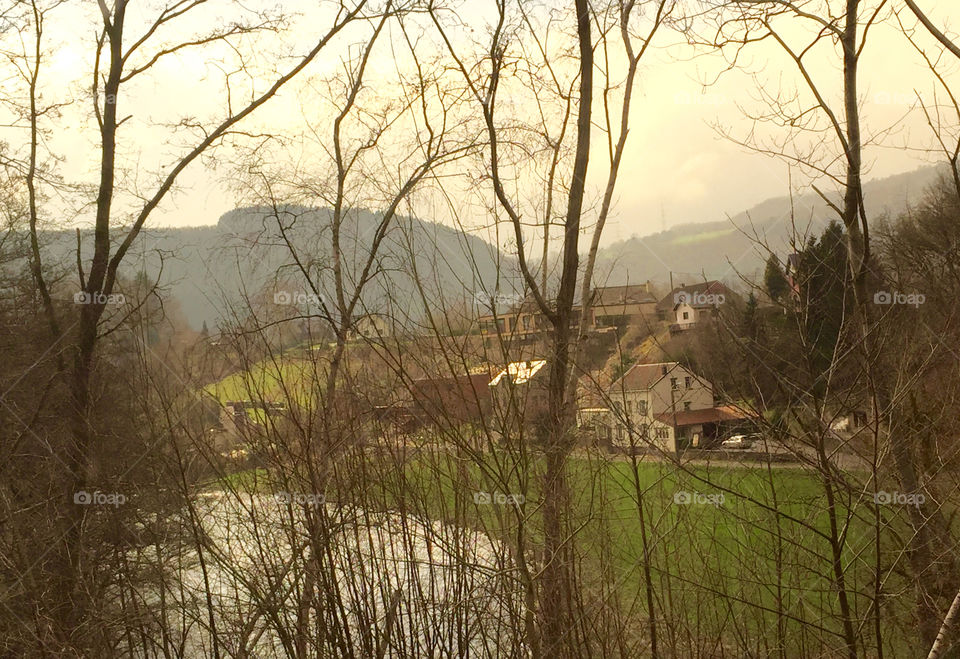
(719, 250)
(207, 270)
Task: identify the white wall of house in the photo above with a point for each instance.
(687, 315)
(647, 433)
(678, 388)
(371, 327)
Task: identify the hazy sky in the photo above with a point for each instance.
(677, 168)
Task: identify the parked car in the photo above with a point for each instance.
(740, 441)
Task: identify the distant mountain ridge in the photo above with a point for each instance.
(208, 269)
(720, 250)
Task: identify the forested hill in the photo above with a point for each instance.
(721, 249)
(204, 270)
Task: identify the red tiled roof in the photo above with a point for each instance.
(698, 417)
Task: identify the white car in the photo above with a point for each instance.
(739, 441)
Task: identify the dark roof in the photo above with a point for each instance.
(698, 417)
(608, 296)
(603, 296)
(476, 380)
(669, 301)
(464, 387)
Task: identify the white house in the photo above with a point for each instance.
(687, 306)
(666, 406)
(371, 326)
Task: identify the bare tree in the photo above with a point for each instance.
(560, 627)
(126, 50)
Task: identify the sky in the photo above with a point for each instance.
(678, 166)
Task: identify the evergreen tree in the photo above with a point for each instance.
(824, 288)
(750, 323)
(774, 281)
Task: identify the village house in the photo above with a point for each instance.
(612, 306)
(239, 416)
(519, 396)
(617, 306)
(792, 274)
(239, 420)
(521, 320)
(687, 306)
(664, 406)
(451, 399)
(849, 421)
(371, 326)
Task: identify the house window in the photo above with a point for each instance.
(663, 370)
(687, 381)
(674, 384)
(526, 322)
(686, 315)
(663, 433)
(642, 407)
(686, 406)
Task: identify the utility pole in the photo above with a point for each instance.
(673, 410)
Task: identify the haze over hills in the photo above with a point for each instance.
(208, 269)
(719, 250)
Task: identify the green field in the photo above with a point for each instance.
(730, 568)
(274, 380)
(701, 237)
(724, 568)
